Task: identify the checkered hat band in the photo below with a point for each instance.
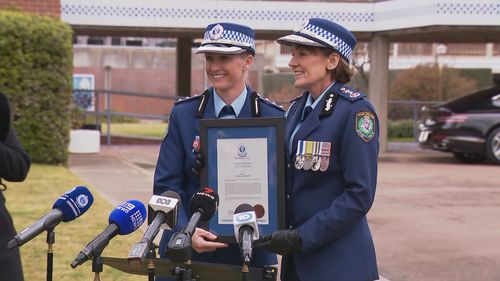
(230, 37)
(329, 38)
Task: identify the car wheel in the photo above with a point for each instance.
(469, 158)
(493, 146)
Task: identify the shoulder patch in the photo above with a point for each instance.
(271, 103)
(186, 99)
(365, 125)
(350, 94)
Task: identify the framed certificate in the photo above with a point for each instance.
(244, 163)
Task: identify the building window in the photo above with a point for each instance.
(133, 42)
(116, 41)
(496, 49)
(93, 40)
(466, 50)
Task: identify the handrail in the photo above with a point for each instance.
(107, 112)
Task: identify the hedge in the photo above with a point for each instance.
(36, 66)
(401, 129)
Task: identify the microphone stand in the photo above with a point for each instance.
(97, 264)
(51, 239)
(151, 255)
(244, 272)
(184, 273)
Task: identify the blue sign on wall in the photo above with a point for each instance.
(83, 91)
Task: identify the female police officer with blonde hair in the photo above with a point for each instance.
(332, 142)
(229, 50)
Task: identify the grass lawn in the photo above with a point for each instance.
(137, 129)
(402, 139)
(29, 200)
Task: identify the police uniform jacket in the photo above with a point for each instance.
(329, 207)
(176, 160)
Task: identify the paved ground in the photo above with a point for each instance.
(433, 218)
(436, 219)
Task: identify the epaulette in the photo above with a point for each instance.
(350, 94)
(186, 99)
(271, 103)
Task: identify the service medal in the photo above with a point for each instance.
(325, 152)
(299, 157)
(299, 162)
(307, 163)
(324, 163)
(196, 144)
(309, 148)
(315, 163)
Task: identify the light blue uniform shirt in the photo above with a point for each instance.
(237, 104)
(309, 102)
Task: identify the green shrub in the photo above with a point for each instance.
(36, 64)
(401, 129)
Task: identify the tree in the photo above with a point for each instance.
(421, 83)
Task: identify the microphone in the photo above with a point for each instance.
(68, 207)
(164, 210)
(203, 206)
(245, 230)
(124, 219)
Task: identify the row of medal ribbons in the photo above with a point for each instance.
(313, 155)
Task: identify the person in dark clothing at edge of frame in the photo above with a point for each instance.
(331, 167)
(229, 50)
(14, 166)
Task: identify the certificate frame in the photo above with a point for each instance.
(272, 130)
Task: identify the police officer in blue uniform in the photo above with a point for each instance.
(332, 141)
(229, 50)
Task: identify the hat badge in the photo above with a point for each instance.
(216, 32)
(301, 26)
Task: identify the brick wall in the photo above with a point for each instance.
(142, 70)
(43, 7)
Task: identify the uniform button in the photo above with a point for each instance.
(290, 226)
(288, 166)
(288, 196)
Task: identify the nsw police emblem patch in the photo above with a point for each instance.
(365, 125)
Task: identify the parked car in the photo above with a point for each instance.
(467, 126)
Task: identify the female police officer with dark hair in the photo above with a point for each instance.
(229, 50)
(14, 166)
(332, 142)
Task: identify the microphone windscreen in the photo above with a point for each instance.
(173, 195)
(128, 216)
(206, 200)
(74, 203)
(244, 208)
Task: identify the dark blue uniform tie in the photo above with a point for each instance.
(307, 110)
(226, 110)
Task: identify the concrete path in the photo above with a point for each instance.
(120, 172)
